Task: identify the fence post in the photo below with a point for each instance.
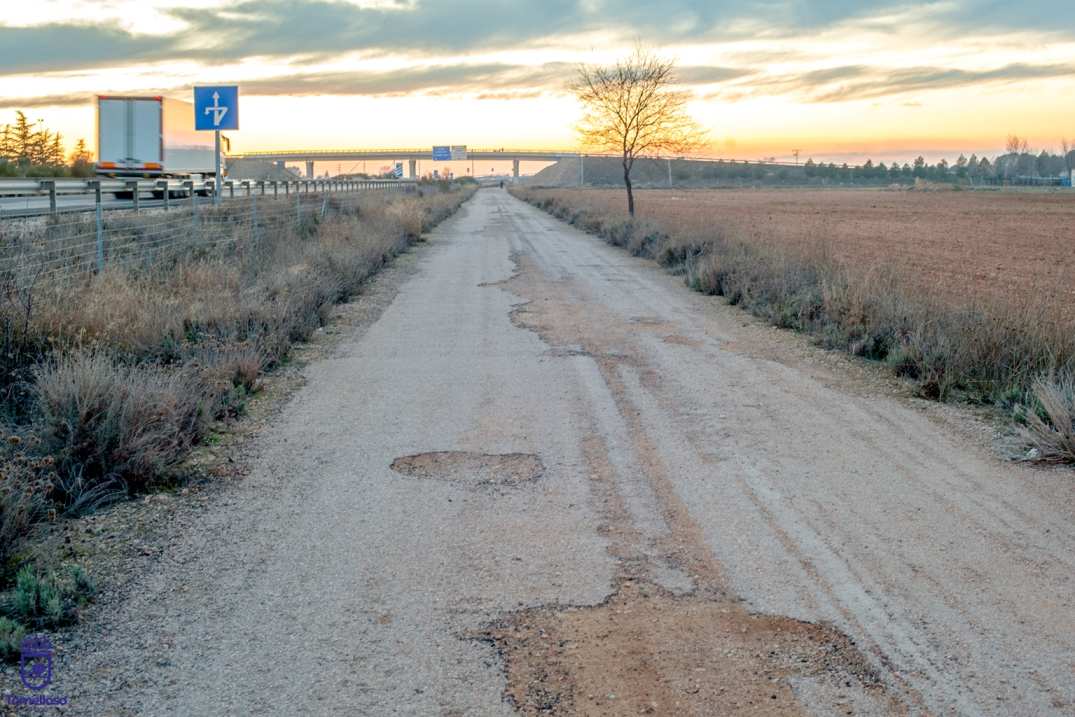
(165, 194)
(231, 189)
(50, 184)
(98, 216)
(254, 217)
(245, 184)
(298, 208)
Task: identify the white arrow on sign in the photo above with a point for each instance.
(216, 109)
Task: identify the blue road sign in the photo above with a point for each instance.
(216, 107)
(397, 171)
(442, 154)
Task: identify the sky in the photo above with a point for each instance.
(838, 80)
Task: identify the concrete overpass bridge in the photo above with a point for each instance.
(412, 155)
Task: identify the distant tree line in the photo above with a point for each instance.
(28, 149)
(1018, 163)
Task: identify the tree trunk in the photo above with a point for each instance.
(630, 190)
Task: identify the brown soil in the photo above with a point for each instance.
(1008, 246)
(646, 650)
(476, 469)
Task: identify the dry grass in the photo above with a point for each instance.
(1050, 429)
(957, 342)
(109, 381)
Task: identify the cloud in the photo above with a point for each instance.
(430, 79)
(484, 81)
(286, 28)
(707, 75)
(915, 79)
(42, 48)
(62, 100)
(428, 30)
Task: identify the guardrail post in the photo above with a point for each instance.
(165, 194)
(261, 187)
(231, 189)
(133, 186)
(98, 216)
(50, 184)
(275, 189)
(245, 184)
(190, 187)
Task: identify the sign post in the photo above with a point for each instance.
(216, 109)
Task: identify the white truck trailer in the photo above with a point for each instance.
(151, 137)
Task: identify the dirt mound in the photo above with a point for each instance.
(475, 469)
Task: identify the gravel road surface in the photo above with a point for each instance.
(550, 479)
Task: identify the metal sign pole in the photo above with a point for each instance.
(218, 189)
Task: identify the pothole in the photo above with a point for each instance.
(647, 651)
(473, 469)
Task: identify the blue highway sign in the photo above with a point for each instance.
(442, 154)
(216, 107)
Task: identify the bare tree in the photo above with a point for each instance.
(1066, 149)
(632, 110)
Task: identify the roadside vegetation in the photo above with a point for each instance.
(108, 382)
(28, 149)
(1018, 356)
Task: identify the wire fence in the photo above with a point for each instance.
(64, 247)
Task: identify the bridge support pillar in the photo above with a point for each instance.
(309, 169)
(413, 169)
(515, 169)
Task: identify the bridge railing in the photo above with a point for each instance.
(425, 153)
(386, 152)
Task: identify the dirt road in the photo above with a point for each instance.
(549, 478)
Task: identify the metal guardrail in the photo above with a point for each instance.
(165, 192)
(58, 247)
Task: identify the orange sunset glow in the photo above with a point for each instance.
(838, 81)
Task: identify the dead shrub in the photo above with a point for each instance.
(1050, 427)
(117, 374)
(106, 420)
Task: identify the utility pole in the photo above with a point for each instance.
(796, 153)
